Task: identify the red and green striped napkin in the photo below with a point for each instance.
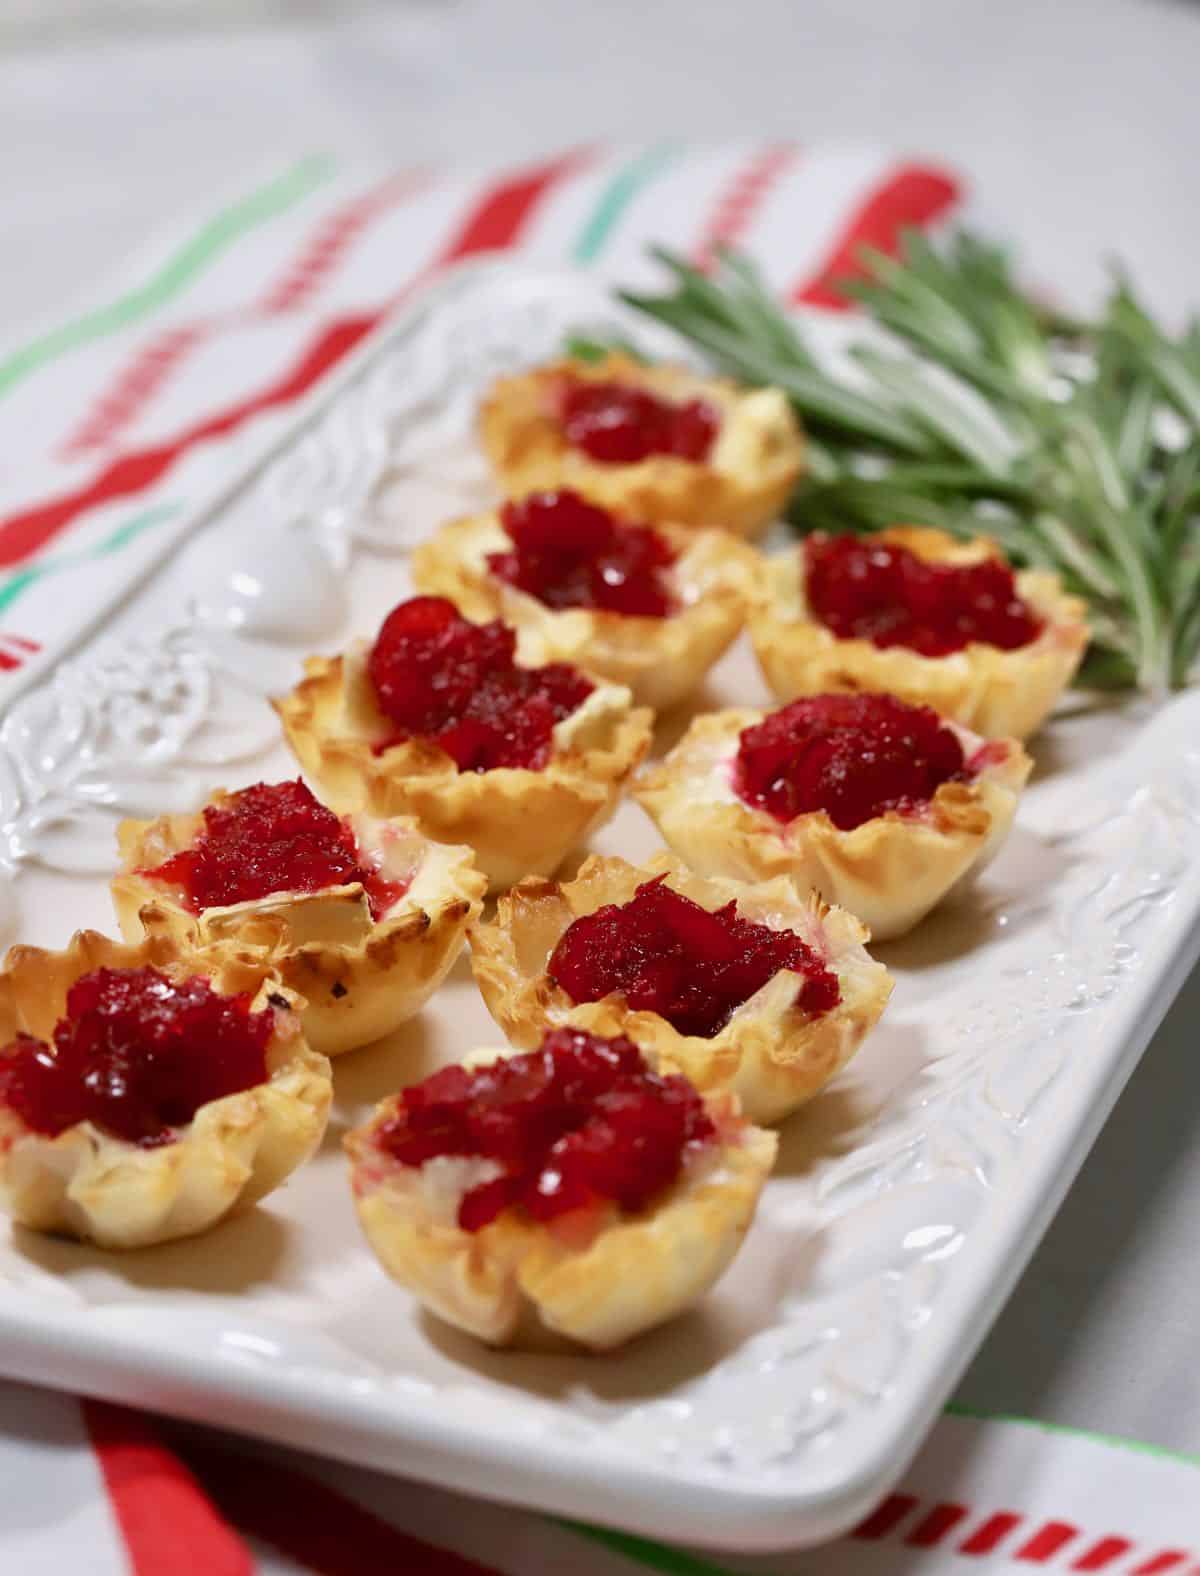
(121, 423)
(119, 426)
(94, 1488)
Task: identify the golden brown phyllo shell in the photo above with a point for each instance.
(890, 871)
(85, 1182)
(755, 461)
(360, 977)
(997, 693)
(772, 1055)
(517, 821)
(520, 1282)
(660, 660)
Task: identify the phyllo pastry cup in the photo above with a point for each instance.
(516, 819)
(997, 692)
(890, 870)
(365, 958)
(524, 1269)
(775, 1049)
(176, 1177)
(740, 483)
(661, 660)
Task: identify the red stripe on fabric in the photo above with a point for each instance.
(912, 195)
(1166, 1561)
(167, 1523)
(1046, 1542)
(990, 1533)
(1101, 1554)
(23, 641)
(133, 388)
(9, 663)
(29, 530)
(331, 240)
(496, 222)
(319, 1528)
(137, 384)
(886, 1517)
(737, 204)
(931, 1529)
(499, 217)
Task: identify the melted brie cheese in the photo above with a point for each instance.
(751, 426)
(593, 723)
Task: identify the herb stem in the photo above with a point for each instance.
(966, 404)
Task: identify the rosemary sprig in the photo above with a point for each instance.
(1076, 444)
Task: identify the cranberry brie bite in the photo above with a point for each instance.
(933, 620)
(881, 807)
(144, 1096)
(650, 607)
(753, 989)
(571, 1191)
(362, 917)
(650, 443)
(438, 720)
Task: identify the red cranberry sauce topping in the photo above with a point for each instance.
(620, 423)
(568, 553)
(693, 967)
(853, 756)
(439, 677)
(273, 837)
(867, 590)
(138, 1055)
(579, 1122)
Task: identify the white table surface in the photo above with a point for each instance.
(1078, 119)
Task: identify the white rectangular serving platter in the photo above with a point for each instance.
(908, 1196)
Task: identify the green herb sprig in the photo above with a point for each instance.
(1075, 444)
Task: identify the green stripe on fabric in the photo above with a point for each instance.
(13, 587)
(616, 197)
(655, 1556)
(956, 1409)
(674, 1562)
(16, 585)
(126, 533)
(175, 274)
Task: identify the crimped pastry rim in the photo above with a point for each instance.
(524, 1004)
(517, 1282)
(405, 952)
(660, 659)
(420, 758)
(891, 869)
(529, 452)
(245, 1143)
(954, 806)
(997, 692)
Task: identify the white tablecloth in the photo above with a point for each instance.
(1079, 122)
